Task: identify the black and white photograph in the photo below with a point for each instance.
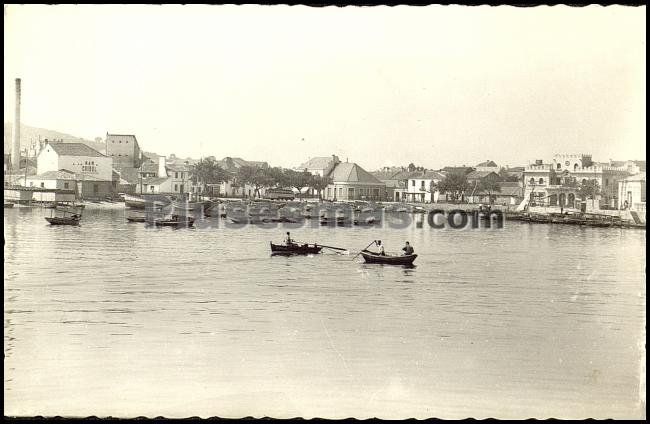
(277, 211)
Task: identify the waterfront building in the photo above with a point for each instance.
(155, 185)
(421, 186)
(509, 194)
(351, 182)
(557, 183)
(395, 178)
(124, 150)
(93, 169)
(631, 192)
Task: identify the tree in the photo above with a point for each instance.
(589, 188)
(455, 184)
(299, 180)
(207, 171)
(255, 176)
(319, 184)
(506, 176)
(489, 186)
(411, 167)
(279, 177)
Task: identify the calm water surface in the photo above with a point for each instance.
(113, 318)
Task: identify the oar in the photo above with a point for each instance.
(332, 247)
(373, 242)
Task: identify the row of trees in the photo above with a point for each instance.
(208, 171)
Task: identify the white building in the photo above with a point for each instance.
(421, 186)
(631, 192)
(75, 157)
(549, 183)
(92, 170)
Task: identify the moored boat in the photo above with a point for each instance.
(8, 205)
(175, 221)
(136, 219)
(375, 258)
(64, 220)
(134, 202)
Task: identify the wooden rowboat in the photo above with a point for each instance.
(295, 249)
(136, 219)
(67, 220)
(374, 258)
(175, 221)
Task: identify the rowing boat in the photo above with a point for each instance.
(295, 249)
(175, 221)
(67, 220)
(374, 258)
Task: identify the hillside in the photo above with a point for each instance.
(28, 133)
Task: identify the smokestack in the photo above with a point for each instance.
(15, 147)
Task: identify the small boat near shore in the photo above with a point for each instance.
(136, 219)
(8, 205)
(67, 220)
(175, 221)
(375, 258)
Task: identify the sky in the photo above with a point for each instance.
(437, 85)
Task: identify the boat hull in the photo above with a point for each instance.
(373, 258)
(174, 223)
(281, 249)
(136, 219)
(62, 221)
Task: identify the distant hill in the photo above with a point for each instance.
(27, 134)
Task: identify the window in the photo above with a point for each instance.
(120, 141)
(422, 185)
(413, 183)
(175, 187)
(532, 180)
(127, 141)
(43, 185)
(559, 166)
(175, 174)
(95, 188)
(151, 188)
(31, 183)
(606, 181)
(541, 180)
(66, 185)
(575, 167)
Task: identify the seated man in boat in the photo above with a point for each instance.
(381, 248)
(408, 249)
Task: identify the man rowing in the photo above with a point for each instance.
(408, 249)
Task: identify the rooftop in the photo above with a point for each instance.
(74, 149)
(352, 173)
(480, 174)
(321, 162)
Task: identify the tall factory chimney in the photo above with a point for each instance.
(15, 146)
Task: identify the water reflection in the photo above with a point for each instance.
(541, 319)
